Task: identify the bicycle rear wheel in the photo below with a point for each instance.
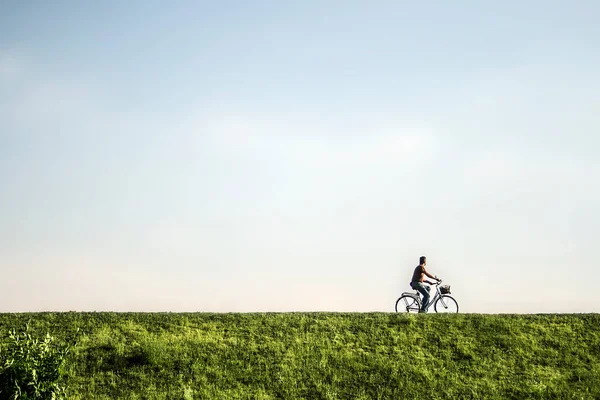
(446, 304)
(407, 304)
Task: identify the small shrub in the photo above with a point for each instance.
(31, 368)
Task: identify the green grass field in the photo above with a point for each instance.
(325, 355)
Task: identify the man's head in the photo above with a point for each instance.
(423, 260)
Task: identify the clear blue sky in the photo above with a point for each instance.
(291, 156)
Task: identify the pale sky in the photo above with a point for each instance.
(298, 155)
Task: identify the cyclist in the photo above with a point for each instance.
(417, 282)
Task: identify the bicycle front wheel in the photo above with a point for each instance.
(407, 304)
(446, 304)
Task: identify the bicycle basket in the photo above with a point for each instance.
(445, 289)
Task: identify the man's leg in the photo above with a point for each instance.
(423, 290)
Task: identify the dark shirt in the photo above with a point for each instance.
(418, 274)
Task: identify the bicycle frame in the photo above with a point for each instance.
(433, 299)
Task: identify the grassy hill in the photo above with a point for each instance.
(325, 355)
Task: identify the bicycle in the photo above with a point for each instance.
(442, 301)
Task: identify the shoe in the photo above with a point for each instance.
(422, 311)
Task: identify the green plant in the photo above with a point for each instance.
(31, 368)
(266, 356)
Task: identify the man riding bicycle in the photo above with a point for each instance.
(417, 282)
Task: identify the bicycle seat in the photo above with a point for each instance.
(410, 293)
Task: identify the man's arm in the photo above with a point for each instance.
(429, 275)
